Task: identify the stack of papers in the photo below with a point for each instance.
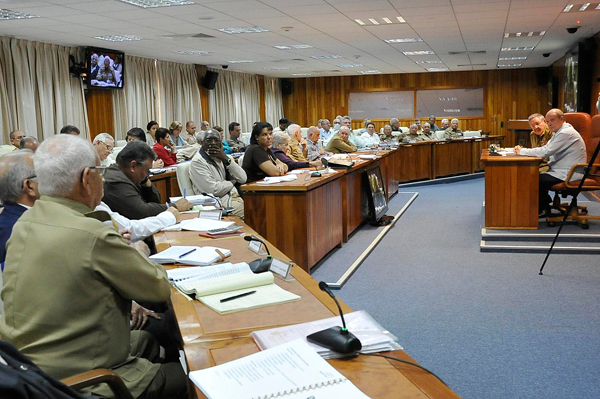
(372, 335)
(199, 224)
(190, 255)
(278, 179)
(211, 284)
(196, 199)
(368, 156)
(292, 370)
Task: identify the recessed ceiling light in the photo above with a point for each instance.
(453, 110)
(420, 52)
(325, 57)
(241, 61)
(293, 47)
(428, 62)
(524, 34)
(405, 40)
(568, 8)
(511, 58)
(276, 69)
(119, 38)
(509, 65)
(233, 31)
(401, 20)
(374, 21)
(506, 35)
(370, 72)
(302, 74)
(518, 34)
(584, 7)
(387, 20)
(542, 33)
(6, 15)
(157, 3)
(526, 48)
(350, 65)
(192, 52)
(437, 69)
(597, 7)
(530, 34)
(358, 21)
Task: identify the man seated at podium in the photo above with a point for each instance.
(540, 135)
(565, 149)
(340, 143)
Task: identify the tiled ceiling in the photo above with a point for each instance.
(327, 25)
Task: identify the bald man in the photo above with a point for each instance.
(29, 143)
(565, 149)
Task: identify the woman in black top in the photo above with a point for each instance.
(259, 162)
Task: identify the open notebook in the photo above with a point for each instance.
(291, 370)
(227, 280)
(190, 255)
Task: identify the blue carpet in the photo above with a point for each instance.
(486, 323)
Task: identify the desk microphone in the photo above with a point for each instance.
(338, 339)
(226, 211)
(260, 265)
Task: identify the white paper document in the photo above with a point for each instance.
(195, 199)
(278, 179)
(190, 255)
(292, 370)
(208, 272)
(198, 224)
(372, 335)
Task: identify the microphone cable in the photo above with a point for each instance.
(406, 362)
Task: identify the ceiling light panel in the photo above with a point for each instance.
(405, 40)
(509, 65)
(437, 69)
(192, 52)
(420, 52)
(119, 38)
(158, 3)
(302, 74)
(375, 21)
(350, 65)
(524, 34)
(511, 58)
(293, 47)
(235, 31)
(568, 8)
(6, 15)
(370, 72)
(326, 57)
(525, 48)
(428, 62)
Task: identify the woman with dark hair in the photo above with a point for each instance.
(164, 147)
(259, 162)
(136, 134)
(151, 130)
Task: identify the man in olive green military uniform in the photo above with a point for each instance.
(453, 132)
(69, 280)
(413, 136)
(340, 143)
(540, 135)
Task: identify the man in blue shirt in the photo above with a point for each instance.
(18, 192)
(326, 132)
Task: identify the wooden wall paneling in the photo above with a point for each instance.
(100, 112)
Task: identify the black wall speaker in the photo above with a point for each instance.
(210, 80)
(543, 75)
(286, 86)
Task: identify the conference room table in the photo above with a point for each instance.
(211, 339)
(511, 191)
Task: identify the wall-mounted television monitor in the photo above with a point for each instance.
(105, 68)
(376, 195)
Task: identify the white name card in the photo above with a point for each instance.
(281, 268)
(210, 214)
(256, 246)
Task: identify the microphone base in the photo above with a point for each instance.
(336, 340)
(260, 265)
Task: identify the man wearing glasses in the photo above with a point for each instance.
(104, 144)
(84, 276)
(18, 192)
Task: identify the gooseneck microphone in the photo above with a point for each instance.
(260, 265)
(338, 339)
(226, 211)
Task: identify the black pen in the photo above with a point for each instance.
(187, 253)
(237, 296)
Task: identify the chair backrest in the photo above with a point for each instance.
(582, 122)
(116, 151)
(356, 132)
(304, 131)
(183, 178)
(121, 143)
(245, 137)
(440, 134)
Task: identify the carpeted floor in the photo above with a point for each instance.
(486, 323)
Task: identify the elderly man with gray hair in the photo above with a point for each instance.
(29, 143)
(453, 132)
(395, 124)
(280, 148)
(314, 150)
(340, 142)
(85, 276)
(187, 153)
(297, 147)
(104, 144)
(18, 192)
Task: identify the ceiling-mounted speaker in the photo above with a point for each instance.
(210, 80)
(287, 86)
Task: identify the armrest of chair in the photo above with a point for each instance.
(99, 376)
(568, 183)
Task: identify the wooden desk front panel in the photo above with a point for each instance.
(166, 184)
(451, 158)
(511, 194)
(303, 225)
(392, 165)
(478, 146)
(354, 201)
(414, 162)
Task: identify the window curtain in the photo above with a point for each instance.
(235, 98)
(38, 94)
(273, 100)
(179, 93)
(136, 104)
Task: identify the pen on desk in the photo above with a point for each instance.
(237, 296)
(184, 192)
(187, 253)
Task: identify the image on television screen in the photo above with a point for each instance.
(377, 198)
(105, 68)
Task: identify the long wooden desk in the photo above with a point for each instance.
(511, 191)
(211, 339)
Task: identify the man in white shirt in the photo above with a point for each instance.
(326, 131)
(314, 150)
(565, 149)
(104, 144)
(15, 138)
